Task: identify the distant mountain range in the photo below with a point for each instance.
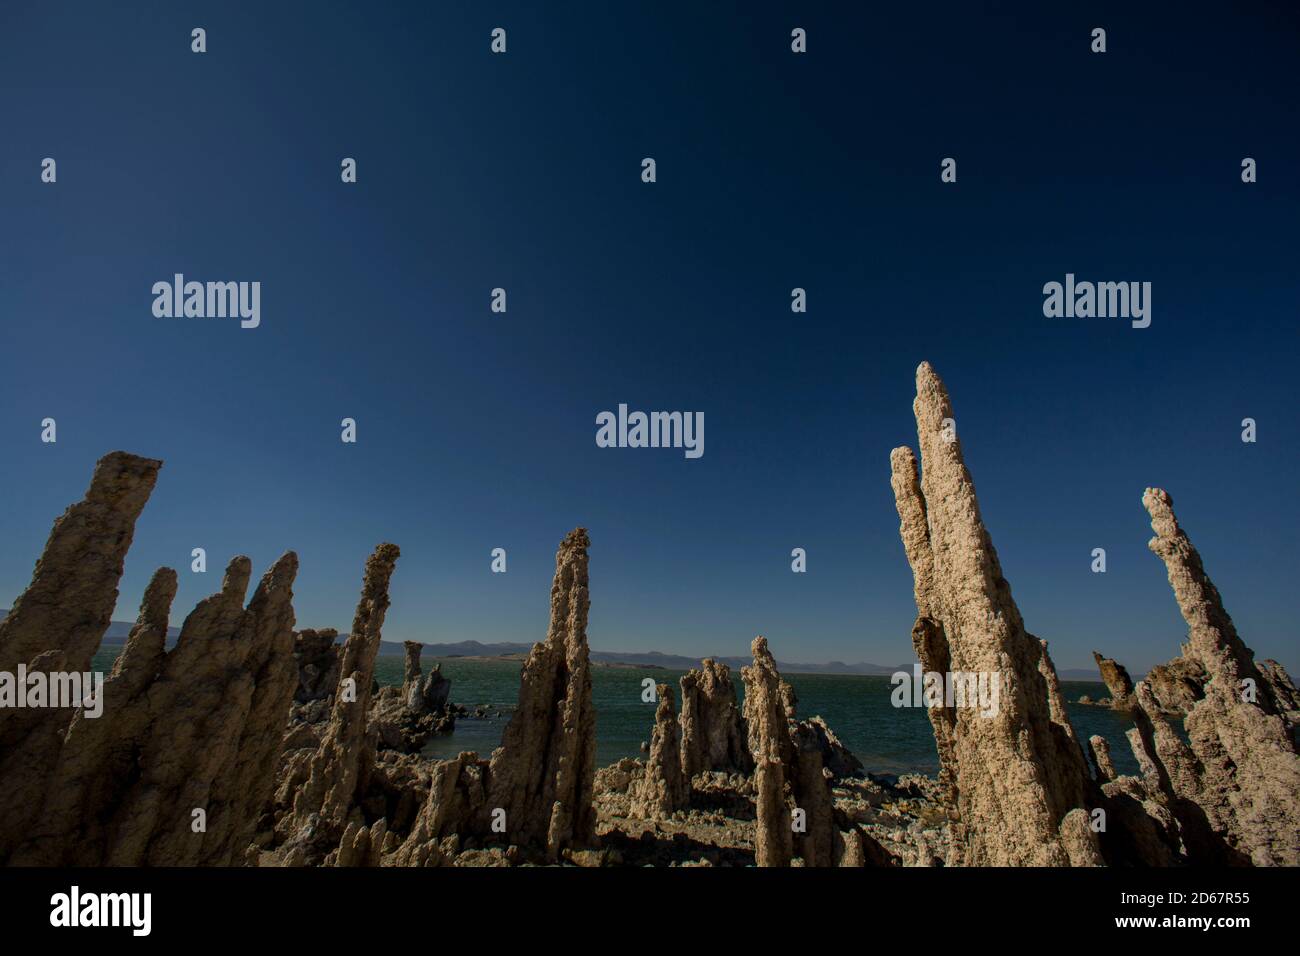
(118, 631)
(678, 662)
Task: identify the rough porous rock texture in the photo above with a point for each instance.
(456, 806)
(543, 772)
(360, 845)
(100, 753)
(194, 729)
(792, 810)
(57, 623)
(1284, 690)
(179, 765)
(1055, 699)
(795, 810)
(787, 706)
(1101, 760)
(1242, 768)
(817, 841)
(928, 639)
(835, 757)
(714, 736)
(404, 718)
(533, 799)
(664, 788)
(423, 693)
(216, 712)
(1178, 684)
(322, 787)
(769, 735)
(317, 656)
(1117, 681)
(1016, 775)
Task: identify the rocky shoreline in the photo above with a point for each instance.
(252, 743)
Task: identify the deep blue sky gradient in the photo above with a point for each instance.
(775, 170)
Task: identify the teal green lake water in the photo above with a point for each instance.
(885, 738)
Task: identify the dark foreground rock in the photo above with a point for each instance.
(179, 765)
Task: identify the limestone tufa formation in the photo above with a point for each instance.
(317, 657)
(770, 737)
(1100, 750)
(405, 717)
(796, 812)
(423, 693)
(536, 792)
(542, 775)
(1284, 690)
(1241, 771)
(835, 757)
(1178, 684)
(185, 735)
(714, 736)
(664, 788)
(57, 623)
(1117, 682)
(322, 787)
(1015, 776)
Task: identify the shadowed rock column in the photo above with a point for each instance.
(360, 846)
(835, 757)
(216, 712)
(1245, 774)
(1055, 699)
(664, 789)
(411, 669)
(57, 623)
(318, 664)
(713, 731)
(1284, 689)
(928, 640)
(423, 693)
(179, 764)
(770, 735)
(1117, 682)
(69, 604)
(1101, 758)
(544, 772)
(245, 781)
(188, 737)
(1146, 766)
(337, 771)
(1018, 773)
(820, 842)
(535, 794)
(1177, 684)
(91, 764)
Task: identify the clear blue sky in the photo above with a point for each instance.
(774, 171)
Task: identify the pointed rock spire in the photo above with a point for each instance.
(1242, 768)
(664, 789)
(1016, 774)
(544, 772)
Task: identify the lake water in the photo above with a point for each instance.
(885, 738)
